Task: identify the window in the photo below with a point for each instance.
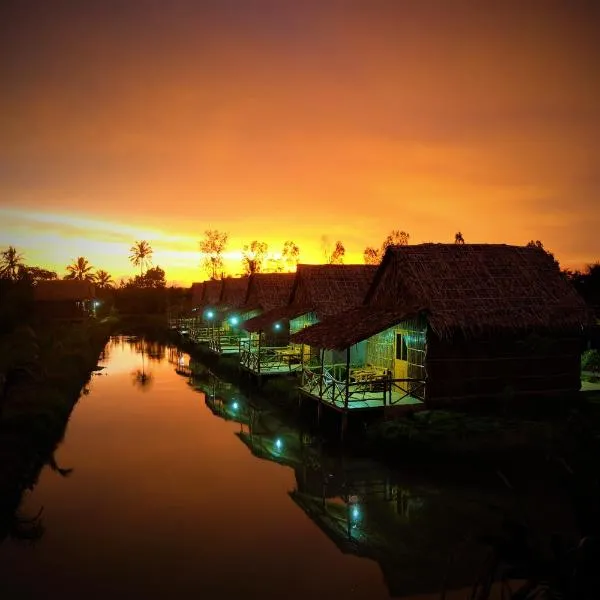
(401, 349)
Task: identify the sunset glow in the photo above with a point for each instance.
(291, 120)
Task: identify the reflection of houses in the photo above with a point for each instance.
(270, 439)
(449, 323)
(412, 534)
(319, 291)
(230, 409)
(263, 352)
(226, 332)
(69, 299)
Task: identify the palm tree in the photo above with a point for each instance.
(10, 263)
(140, 255)
(80, 269)
(103, 279)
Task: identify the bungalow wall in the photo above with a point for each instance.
(381, 348)
(311, 355)
(303, 321)
(461, 370)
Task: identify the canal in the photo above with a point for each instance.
(167, 486)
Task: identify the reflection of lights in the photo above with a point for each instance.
(278, 444)
(235, 406)
(181, 361)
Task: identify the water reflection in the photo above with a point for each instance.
(164, 498)
(150, 352)
(426, 537)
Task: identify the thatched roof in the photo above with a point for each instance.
(471, 288)
(197, 293)
(212, 292)
(269, 290)
(233, 293)
(64, 290)
(323, 289)
(330, 289)
(280, 313)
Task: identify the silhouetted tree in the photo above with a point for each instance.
(152, 278)
(212, 247)
(396, 237)
(458, 238)
(33, 274)
(337, 256)
(141, 253)
(587, 283)
(537, 244)
(290, 256)
(253, 256)
(333, 254)
(103, 279)
(80, 269)
(10, 262)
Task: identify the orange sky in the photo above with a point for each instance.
(277, 120)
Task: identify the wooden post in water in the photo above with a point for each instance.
(347, 377)
(322, 356)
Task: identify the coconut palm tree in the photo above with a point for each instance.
(80, 269)
(10, 263)
(141, 253)
(103, 279)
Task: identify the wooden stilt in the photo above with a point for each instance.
(344, 425)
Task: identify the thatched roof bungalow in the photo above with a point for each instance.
(198, 294)
(462, 322)
(212, 294)
(268, 290)
(64, 298)
(318, 291)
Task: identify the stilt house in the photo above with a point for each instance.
(448, 324)
(318, 292)
(227, 332)
(260, 351)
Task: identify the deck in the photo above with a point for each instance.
(379, 392)
(224, 345)
(269, 361)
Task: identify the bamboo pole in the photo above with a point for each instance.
(347, 377)
(322, 353)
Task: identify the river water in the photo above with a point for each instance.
(168, 487)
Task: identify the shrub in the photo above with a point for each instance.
(590, 360)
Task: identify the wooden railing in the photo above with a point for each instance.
(333, 386)
(257, 358)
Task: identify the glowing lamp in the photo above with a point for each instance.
(234, 320)
(278, 444)
(210, 314)
(235, 406)
(277, 325)
(355, 513)
(96, 303)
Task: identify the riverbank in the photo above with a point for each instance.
(44, 372)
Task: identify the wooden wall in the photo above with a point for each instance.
(502, 367)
